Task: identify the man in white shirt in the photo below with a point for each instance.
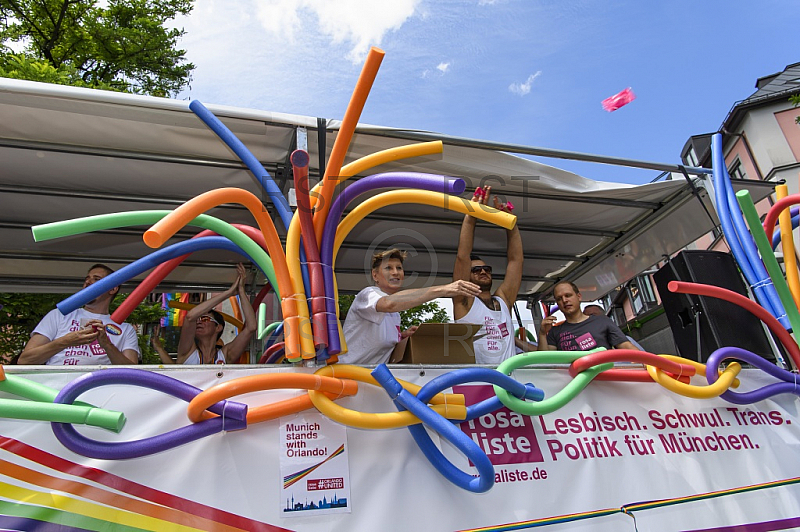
(495, 341)
(86, 336)
(372, 326)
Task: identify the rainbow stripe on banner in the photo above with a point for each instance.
(628, 509)
(294, 477)
(51, 502)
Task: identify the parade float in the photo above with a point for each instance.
(619, 440)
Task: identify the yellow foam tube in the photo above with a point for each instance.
(451, 406)
(299, 339)
(787, 243)
(423, 197)
(727, 379)
(360, 165)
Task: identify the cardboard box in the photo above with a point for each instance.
(441, 343)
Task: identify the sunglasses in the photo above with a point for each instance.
(207, 318)
(485, 268)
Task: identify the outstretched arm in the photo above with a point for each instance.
(406, 299)
(463, 265)
(238, 345)
(513, 279)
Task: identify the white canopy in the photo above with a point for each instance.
(67, 152)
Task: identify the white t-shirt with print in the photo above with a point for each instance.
(55, 325)
(370, 335)
(494, 341)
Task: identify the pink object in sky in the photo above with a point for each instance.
(624, 97)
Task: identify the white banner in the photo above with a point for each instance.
(597, 463)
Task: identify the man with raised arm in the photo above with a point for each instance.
(495, 340)
(85, 336)
(580, 332)
(372, 326)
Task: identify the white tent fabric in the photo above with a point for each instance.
(67, 152)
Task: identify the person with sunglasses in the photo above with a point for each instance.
(203, 327)
(372, 325)
(495, 341)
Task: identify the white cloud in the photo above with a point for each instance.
(443, 67)
(524, 88)
(357, 23)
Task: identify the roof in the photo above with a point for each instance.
(778, 86)
(69, 152)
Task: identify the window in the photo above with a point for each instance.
(736, 171)
(641, 294)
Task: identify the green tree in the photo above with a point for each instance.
(430, 312)
(124, 45)
(795, 100)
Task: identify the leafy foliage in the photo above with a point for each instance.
(430, 312)
(125, 46)
(795, 100)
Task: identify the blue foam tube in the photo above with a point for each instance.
(257, 169)
(253, 164)
(776, 236)
(739, 238)
(152, 260)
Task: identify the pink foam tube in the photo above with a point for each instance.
(161, 271)
(436, 183)
(299, 160)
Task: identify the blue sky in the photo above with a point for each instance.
(528, 72)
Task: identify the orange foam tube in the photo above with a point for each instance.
(298, 344)
(345, 135)
(253, 383)
(787, 242)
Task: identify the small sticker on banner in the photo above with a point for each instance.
(315, 468)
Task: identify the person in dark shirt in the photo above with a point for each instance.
(579, 332)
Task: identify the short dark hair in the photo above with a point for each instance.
(473, 256)
(219, 319)
(393, 253)
(570, 283)
(103, 267)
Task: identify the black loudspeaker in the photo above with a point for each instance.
(720, 323)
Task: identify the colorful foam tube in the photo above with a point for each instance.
(233, 416)
(738, 237)
(422, 197)
(767, 255)
(161, 271)
(299, 343)
(364, 84)
(85, 415)
(253, 164)
(776, 234)
(726, 380)
(403, 180)
(272, 353)
(789, 258)
(225, 316)
(491, 376)
(737, 299)
(197, 409)
(405, 400)
(143, 264)
(293, 251)
(788, 386)
(681, 372)
(319, 322)
(450, 406)
(126, 219)
(570, 391)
